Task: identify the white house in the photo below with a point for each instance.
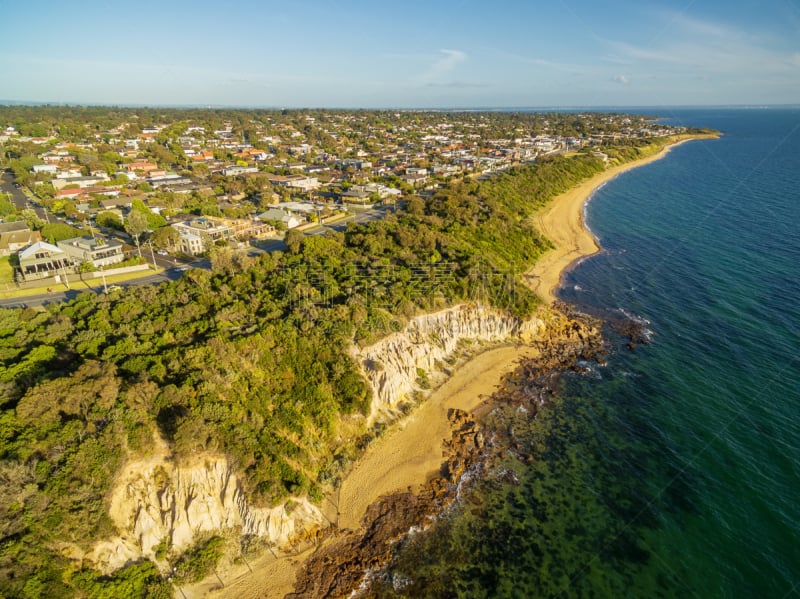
(99, 252)
(282, 216)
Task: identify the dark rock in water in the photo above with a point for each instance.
(351, 560)
(633, 330)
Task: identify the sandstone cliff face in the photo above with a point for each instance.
(155, 502)
(392, 366)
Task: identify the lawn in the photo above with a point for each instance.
(6, 273)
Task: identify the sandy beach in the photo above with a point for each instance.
(411, 451)
(561, 221)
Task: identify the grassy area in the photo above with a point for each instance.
(8, 291)
(6, 273)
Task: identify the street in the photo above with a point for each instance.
(173, 268)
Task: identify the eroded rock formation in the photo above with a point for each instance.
(156, 504)
(393, 365)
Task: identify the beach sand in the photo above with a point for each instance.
(561, 221)
(410, 452)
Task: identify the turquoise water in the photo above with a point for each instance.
(674, 470)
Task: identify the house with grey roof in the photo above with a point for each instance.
(15, 236)
(42, 260)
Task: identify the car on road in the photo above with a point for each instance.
(162, 253)
(182, 268)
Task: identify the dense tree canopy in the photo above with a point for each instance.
(249, 360)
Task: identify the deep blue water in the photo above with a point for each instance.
(705, 246)
(674, 470)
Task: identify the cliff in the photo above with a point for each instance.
(404, 362)
(158, 504)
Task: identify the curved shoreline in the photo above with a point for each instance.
(410, 452)
(562, 222)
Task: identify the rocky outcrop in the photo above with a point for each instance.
(156, 504)
(339, 567)
(352, 563)
(399, 364)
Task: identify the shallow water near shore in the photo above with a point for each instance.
(673, 470)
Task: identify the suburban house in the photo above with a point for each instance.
(51, 169)
(41, 260)
(242, 228)
(295, 182)
(162, 178)
(98, 252)
(118, 202)
(145, 167)
(356, 195)
(82, 182)
(193, 233)
(15, 236)
(280, 215)
(233, 171)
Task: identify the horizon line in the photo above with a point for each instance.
(547, 108)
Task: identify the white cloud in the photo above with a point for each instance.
(622, 79)
(448, 60)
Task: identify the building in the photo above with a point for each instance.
(99, 252)
(232, 171)
(295, 182)
(41, 260)
(51, 169)
(15, 236)
(81, 182)
(278, 215)
(243, 229)
(196, 231)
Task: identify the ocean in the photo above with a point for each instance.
(673, 470)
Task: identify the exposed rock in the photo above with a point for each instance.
(348, 564)
(340, 566)
(155, 502)
(392, 365)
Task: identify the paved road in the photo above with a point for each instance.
(7, 186)
(60, 296)
(173, 268)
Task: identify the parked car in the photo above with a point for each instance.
(162, 253)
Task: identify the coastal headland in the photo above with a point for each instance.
(394, 470)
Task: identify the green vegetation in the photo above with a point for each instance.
(6, 271)
(54, 232)
(249, 360)
(197, 563)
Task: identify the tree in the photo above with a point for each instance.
(6, 206)
(54, 232)
(135, 225)
(109, 219)
(154, 221)
(32, 219)
(166, 238)
(293, 240)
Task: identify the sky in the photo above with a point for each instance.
(410, 54)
